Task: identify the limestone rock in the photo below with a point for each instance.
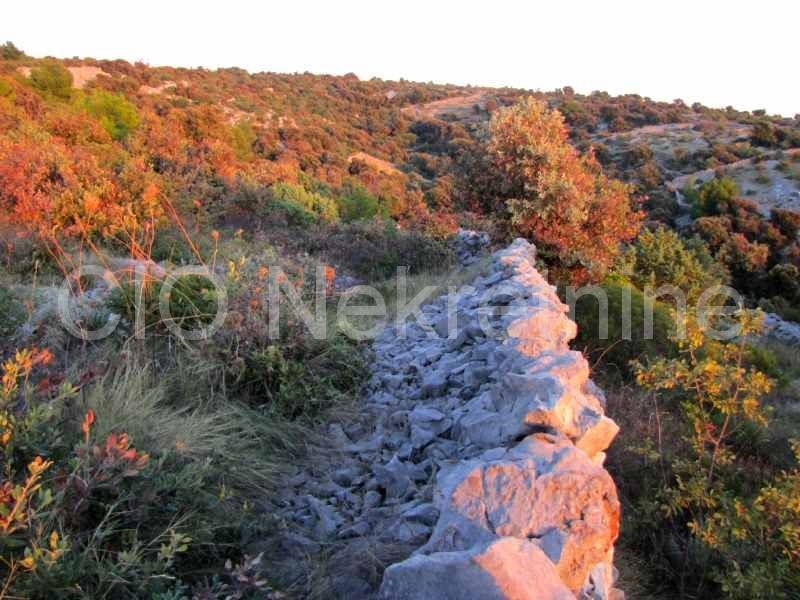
(480, 450)
(505, 569)
(543, 488)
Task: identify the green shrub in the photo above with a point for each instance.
(193, 302)
(52, 81)
(711, 197)
(172, 247)
(764, 134)
(116, 114)
(319, 206)
(615, 353)
(243, 138)
(763, 178)
(302, 377)
(734, 530)
(134, 497)
(9, 51)
(357, 204)
(660, 257)
(6, 90)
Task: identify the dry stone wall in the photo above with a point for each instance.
(483, 453)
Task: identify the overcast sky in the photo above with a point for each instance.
(717, 52)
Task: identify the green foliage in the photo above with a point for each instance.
(52, 81)
(6, 90)
(316, 205)
(357, 204)
(746, 526)
(243, 139)
(192, 301)
(136, 496)
(171, 246)
(712, 196)
(9, 51)
(616, 350)
(762, 538)
(302, 377)
(764, 134)
(661, 258)
(117, 115)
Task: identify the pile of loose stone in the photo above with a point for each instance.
(787, 332)
(469, 245)
(478, 456)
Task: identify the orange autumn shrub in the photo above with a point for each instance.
(556, 196)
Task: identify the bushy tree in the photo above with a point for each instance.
(9, 51)
(356, 204)
(712, 196)
(661, 258)
(555, 196)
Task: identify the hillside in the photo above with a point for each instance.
(191, 408)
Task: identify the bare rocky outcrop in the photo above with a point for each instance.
(480, 455)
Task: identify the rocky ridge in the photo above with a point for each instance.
(479, 459)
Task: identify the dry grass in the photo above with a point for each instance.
(241, 445)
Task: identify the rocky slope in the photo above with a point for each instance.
(480, 455)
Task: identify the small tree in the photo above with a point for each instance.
(712, 196)
(661, 257)
(751, 530)
(9, 51)
(764, 134)
(555, 196)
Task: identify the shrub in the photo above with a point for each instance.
(243, 140)
(375, 249)
(560, 199)
(763, 178)
(312, 203)
(302, 377)
(735, 529)
(661, 257)
(764, 134)
(117, 116)
(356, 204)
(192, 301)
(787, 221)
(615, 352)
(135, 496)
(712, 196)
(52, 81)
(637, 155)
(9, 51)
(170, 246)
(6, 89)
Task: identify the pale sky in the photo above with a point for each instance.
(742, 53)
